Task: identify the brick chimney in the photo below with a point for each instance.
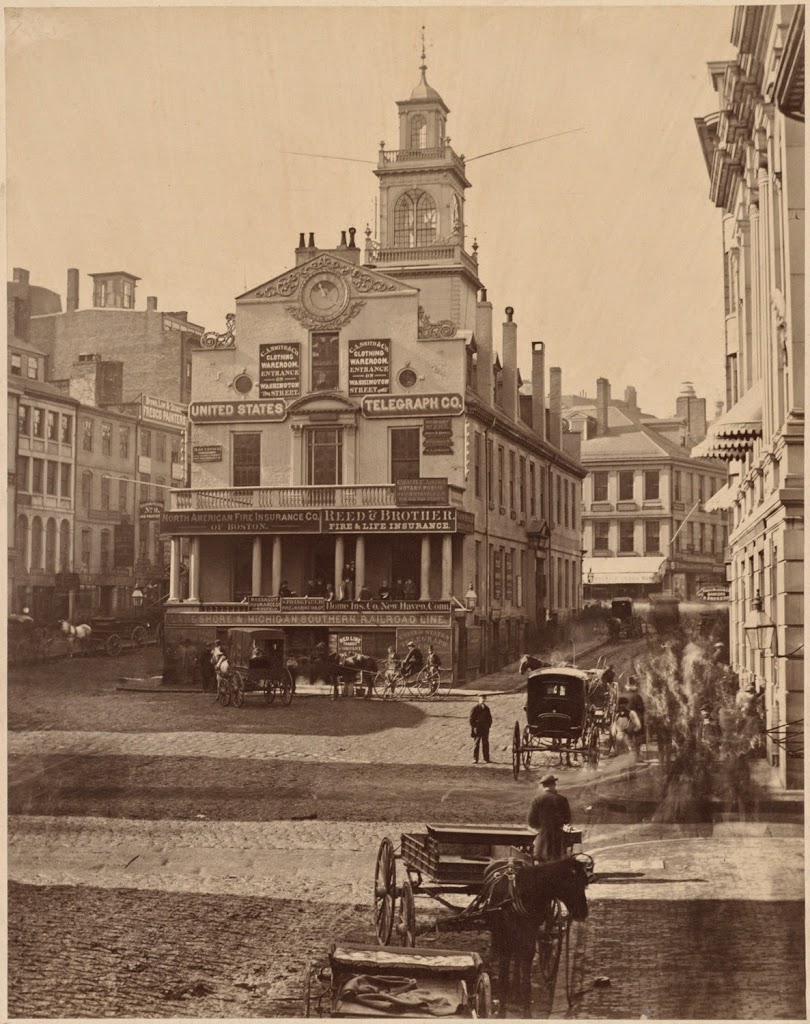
(631, 399)
(72, 300)
(539, 388)
(20, 276)
(602, 405)
(151, 303)
(483, 338)
(509, 397)
(555, 406)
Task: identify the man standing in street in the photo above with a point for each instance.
(548, 813)
(480, 724)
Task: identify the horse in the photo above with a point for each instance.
(528, 663)
(357, 665)
(519, 901)
(221, 664)
(74, 634)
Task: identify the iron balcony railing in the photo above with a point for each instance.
(345, 496)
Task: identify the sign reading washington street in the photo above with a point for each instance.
(375, 407)
(238, 412)
(338, 520)
(369, 366)
(280, 370)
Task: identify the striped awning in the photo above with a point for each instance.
(732, 435)
(599, 571)
(721, 500)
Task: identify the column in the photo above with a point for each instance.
(28, 548)
(339, 556)
(424, 575)
(359, 564)
(174, 570)
(256, 573)
(194, 571)
(447, 566)
(276, 564)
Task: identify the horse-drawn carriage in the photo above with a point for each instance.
(560, 719)
(27, 639)
(256, 662)
(527, 907)
(624, 624)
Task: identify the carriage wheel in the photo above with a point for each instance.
(223, 690)
(527, 747)
(516, 758)
(444, 684)
(378, 684)
(286, 688)
(406, 921)
(592, 756)
(385, 891)
(308, 989)
(483, 996)
(139, 636)
(550, 941)
(113, 645)
(238, 690)
(269, 688)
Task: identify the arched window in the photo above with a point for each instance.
(22, 541)
(414, 220)
(418, 132)
(50, 546)
(64, 546)
(36, 543)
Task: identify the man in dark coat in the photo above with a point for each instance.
(480, 724)
(548, 813)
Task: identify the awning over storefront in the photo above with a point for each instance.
(734, 433)
(598, 571)
(723, 499)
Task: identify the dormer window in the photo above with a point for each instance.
(414, 220)
(418, 132)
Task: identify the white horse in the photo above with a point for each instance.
(221, 664)
(74, 634)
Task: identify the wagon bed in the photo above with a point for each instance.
(459, 854)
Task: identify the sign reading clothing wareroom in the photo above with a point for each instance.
(272, 411)
(280, 370)
(369, 366)
(378, 406)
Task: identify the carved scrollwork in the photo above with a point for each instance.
(430, 330)
(366, 283)
(211, 339)
(313, 323)
(286, 287)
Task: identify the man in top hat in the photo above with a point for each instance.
(480, 724)
(548, 813)
(414, 660)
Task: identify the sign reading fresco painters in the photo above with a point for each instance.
(343, 520)
(280, 370)
(273, 411)
(369, 367)
(379, 406)
(161, 410)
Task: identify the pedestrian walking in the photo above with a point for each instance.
(480, 724)
(548, 813)
(636, 703)
(625, 727)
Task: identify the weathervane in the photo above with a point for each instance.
(423, 65)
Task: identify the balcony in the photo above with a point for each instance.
(424, 254)
(435, 154)
(345, 496)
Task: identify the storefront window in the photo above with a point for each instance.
(324, 456)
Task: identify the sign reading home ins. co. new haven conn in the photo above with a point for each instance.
(271, 410)
(328, 520)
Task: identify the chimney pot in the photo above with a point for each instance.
(151, 303)
(301, 240)
(483, 295)
(342, 240)
(20, 276)
(352, 233)
(312, 240)
(602, 405)
(509, 314)
(72, 302)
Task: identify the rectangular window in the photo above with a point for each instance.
(626, 537)
(651, 481)
(701, 537)
(558, 489)
(324, 448)
(52, 426)
(64, 483)
(405, 453)
(626, 485)
(477, 463)
(522, 487)
(566, 504)
(86, 545)
(123, 495)
(67, 429)
(676, 486)
(105, 492)
(652, 537)
(551, 497)
(104, 550)
(501, 472)
(24, 420)
(16, 364)
(701, 489)
(37, 474)
(51, 476)
(33, 368)
(87, 435)
(325, 362)
(123, 442)
(532, 491)
(106, 438)
(146, 443)
(22, 473)
(600, 486)
(490, 468)
(39, 423)
(160, 447)
(87, 489)
(175, 448)
(511, 481)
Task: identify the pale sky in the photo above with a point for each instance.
(151, 140)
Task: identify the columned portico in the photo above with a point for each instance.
(359, 563)
(424, 575)
(339, 563)
(194, 571)
(256, 568)
(174, 570)
(276, 564)
(447, 567)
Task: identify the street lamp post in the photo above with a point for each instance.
(471, 598)
(760, 629)
(137, 596)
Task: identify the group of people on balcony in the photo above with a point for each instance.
(399, 590)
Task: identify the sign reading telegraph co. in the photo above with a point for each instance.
(377, 406)
(273, 411)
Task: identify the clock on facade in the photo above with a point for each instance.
(324, 296)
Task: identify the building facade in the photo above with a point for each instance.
(754, 153)
(646, 527)
(363, 471)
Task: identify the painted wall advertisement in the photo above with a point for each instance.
(161, 410)
(425, 636)
(280, 370)
(369, 366)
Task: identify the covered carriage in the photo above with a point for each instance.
(257, 663)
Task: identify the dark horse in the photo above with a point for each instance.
(521, 913)
(528, 663)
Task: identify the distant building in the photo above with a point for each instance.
(754, 152)
(645, 525)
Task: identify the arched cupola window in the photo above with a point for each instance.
(418, 132)
(414, 220)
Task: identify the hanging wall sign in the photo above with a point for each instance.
(272, 411)
(206, 453)
(280, 370)
(437, 436)
(369, 366)
(413, 405)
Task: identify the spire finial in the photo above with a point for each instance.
(423, 65)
